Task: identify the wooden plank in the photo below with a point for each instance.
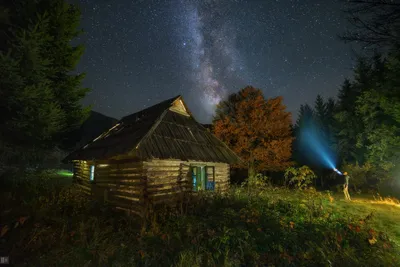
(84, 188)
(113, 187)
(119, 192)
(128, 183)
(155, 186)
(125, 197)
(157, 180)
(132, 175)
(166, 163)
(124, 200)
(162, 176)
(125, 171)
(162, 168)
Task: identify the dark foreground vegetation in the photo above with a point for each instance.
(53, 224)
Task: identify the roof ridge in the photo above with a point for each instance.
(152, 128)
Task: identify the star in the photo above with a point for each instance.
(206, 50)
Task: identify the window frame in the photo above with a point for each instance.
(195, 185)
(92, 173)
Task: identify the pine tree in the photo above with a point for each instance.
(320, 119)
(304, 120)
(40, 98)
(305, 115)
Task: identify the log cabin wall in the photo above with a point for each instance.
(169, 179)
(82, 175)
(119, 183)
(131, 185)
(222, 177)
(165, 180)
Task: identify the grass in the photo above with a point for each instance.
(268, 227)
(386, 213)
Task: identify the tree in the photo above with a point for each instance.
(258, 130)
(320, 109)
(330, 122)
(304, 120)
(349, 127)
(379, 110)
(306, 113)
(320, 117)
(40, 97)
(376, 23)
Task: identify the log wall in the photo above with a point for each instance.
(168, 180)
(132, 185)
(82, 175)
(121, 183)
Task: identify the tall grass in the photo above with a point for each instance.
(264, 227)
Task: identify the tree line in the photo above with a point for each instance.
(360, 129)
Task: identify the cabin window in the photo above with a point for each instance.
(203, 178)
(92, 173)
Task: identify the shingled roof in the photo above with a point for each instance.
(166, 130)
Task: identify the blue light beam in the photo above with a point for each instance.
(315, 147)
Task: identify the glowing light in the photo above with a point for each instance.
(92, 173)
(65, 173)
(337, 171)
(102, 165)
(315, 147)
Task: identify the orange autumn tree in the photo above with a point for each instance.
(258, 130)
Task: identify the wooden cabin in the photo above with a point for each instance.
(153, 156)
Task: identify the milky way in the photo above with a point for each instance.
(139, 53)
(211, 44)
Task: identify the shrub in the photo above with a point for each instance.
(299, 177)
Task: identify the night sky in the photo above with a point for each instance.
(139, 53)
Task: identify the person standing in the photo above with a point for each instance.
(346, 186)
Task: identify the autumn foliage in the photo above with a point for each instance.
(258, 130)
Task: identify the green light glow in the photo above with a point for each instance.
(65, 173)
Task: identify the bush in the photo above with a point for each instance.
(299, 177)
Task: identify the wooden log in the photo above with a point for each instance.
(124, 175)
(163, 176)
(85, 188)
(155, 186)
(162, 179)
(161, 163)
(126, 193)
(129, 183)
(122, 196)
(114, 188)
(117, 168)
(162, 168)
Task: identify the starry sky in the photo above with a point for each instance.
(139, 53)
